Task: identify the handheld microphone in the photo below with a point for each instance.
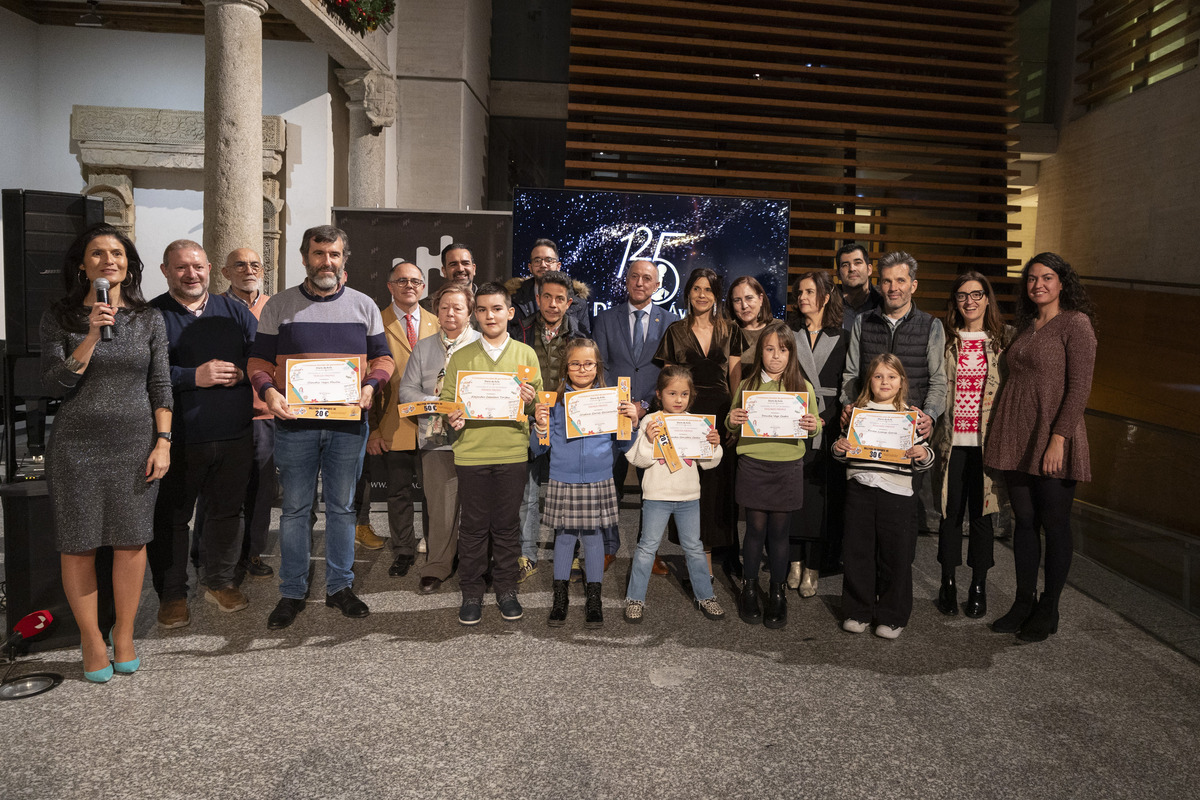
(101, 285)
(28, 627)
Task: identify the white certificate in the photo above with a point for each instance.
(591, 412)
(881, 435)
(689, 434)
(489, 395)
(774, 415)
(324, 381)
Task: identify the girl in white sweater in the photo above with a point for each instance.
(666, 494)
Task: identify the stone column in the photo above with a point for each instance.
(372, 107)
(233, 171)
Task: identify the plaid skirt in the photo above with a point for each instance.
(580, 506)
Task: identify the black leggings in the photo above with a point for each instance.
(1045, 503)
(964, 490)
(773, 527)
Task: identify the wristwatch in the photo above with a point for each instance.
(164, 435)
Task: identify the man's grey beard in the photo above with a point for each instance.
(324, 280)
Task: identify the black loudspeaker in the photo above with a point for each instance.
(38, 229)
(33, 577)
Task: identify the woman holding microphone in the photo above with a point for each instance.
(106, 349)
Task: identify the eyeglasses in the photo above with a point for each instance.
(976, 295)
(247, 266)
(582, 366)
(538, 261)
(416, 283)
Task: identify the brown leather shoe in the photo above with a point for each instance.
(227, 598)
(430, 584)
(660, 567)
(609, 558)
(173, 614)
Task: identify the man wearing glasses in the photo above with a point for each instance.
(544, 258)
(244, 271)
(394, 437)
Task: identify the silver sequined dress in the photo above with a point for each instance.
(104, 431)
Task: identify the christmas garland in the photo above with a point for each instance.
(361, 16)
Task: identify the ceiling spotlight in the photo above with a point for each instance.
(91, 19)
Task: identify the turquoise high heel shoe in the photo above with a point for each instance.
(100, 675)
(123, 667)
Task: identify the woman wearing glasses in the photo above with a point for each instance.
(975, 337)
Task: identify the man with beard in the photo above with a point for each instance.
(321, 318)
(854, 271)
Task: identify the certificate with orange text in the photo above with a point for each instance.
(881, 435)
(323, 388)
(489, 395)
(689, 435)
(591, 412)
(774, 415)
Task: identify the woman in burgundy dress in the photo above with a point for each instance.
(1038, 437)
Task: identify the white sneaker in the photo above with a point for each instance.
(888, 632)
(421, 547)
(854, 626)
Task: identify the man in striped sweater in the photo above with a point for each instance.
(320, 318)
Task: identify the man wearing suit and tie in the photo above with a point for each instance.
(628, 335)
(392, 436)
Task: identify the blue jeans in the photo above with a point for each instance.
(655, 514)
(300, 454)
(531, 515)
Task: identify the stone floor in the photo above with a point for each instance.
(407, 703)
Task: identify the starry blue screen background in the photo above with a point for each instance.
(597, 232)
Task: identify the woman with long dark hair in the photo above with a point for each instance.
(701, 341)
(821, 342)
(1038, 436)
(110, 442)
(975, 338)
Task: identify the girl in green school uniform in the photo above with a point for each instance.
(770, 475)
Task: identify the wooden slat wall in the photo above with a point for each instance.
(1131, 42)
(885, 123)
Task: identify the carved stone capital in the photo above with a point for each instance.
(115, 189)
(258, 6)
(375, 91)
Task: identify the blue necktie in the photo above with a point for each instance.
(639, 338)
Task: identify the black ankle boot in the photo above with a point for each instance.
(1042, 622)
(750, 603)
(775, 614)
(593, 606)
(558, 613)
(976, 600)
(1012, 621)
(947, 601)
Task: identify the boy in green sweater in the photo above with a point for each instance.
(490, 458)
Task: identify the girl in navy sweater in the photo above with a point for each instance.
(581, 498)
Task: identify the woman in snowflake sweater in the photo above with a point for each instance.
(975, 337)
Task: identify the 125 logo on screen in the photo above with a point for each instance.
(642, 238)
